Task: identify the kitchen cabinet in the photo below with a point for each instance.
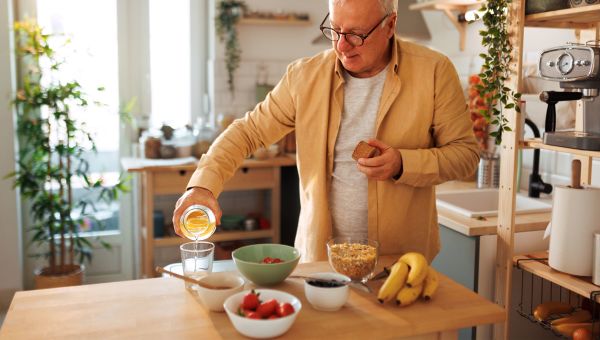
(172, 180)
(586, 20)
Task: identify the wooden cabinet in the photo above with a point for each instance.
(171, 180)
(587, 22)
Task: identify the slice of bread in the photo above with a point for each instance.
(364, 150)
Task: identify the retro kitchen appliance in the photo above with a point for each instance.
(577, 69)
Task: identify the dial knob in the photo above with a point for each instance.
(565, 63)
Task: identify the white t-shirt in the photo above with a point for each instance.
(348, 195)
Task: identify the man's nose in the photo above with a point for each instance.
(343, 44)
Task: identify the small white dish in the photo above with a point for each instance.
(259, 328)
(213, 299)
(328, 299)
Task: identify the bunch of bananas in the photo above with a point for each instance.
(410, 277)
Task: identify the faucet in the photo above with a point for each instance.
(536, 185)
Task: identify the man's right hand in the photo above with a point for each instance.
(195, 195)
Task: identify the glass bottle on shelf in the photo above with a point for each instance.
(205, 134)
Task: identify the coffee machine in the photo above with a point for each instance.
(577, 69)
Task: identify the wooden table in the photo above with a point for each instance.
(162, 308)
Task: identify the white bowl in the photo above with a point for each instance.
(328, 299)
(258, 328)
(213, 299)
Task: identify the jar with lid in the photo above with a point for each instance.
(205, 134)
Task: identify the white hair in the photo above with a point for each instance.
(389, 6)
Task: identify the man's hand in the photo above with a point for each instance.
(193, 196)
(383, 167)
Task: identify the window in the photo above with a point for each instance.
(170, 62)
(91, 58)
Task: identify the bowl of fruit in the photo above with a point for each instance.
(262, 313)
(266, 264)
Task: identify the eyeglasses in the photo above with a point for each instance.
(352, 38)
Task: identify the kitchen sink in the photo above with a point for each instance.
(484, 202)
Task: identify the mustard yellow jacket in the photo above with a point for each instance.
(422, 113)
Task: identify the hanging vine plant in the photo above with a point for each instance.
(229, 13)
(495, 70)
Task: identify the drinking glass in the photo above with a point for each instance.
(197, 260)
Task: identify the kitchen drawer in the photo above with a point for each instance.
(171, 182)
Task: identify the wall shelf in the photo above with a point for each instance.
(449, 7)
(459, 5)
(276, 22)
(577, 284)
(537, 143)
(220, 236)
(578, 17)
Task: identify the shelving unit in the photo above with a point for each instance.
(451, 9)
(170, 180)
(217, 237)
(579, 17)
(579, 285)
(276, 22)
(586, 20)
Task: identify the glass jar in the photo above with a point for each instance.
(198, 222)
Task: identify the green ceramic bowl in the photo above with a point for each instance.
(248, 262)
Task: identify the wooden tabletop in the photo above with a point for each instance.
(162, 308)
(190, 163)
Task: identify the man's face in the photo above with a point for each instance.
(359, 17)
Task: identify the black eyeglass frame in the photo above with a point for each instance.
(361, 36)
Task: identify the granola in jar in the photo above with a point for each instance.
(355, 260)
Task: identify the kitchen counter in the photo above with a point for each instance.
(487, 225)
(162, 308)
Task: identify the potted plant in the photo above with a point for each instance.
(229, 13)
(496, 68)
(52, 146)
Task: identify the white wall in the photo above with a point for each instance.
(273, 46)
(11, 260)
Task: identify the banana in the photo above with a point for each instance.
(544, 310)
(408, 295)
(567, 329)
(432, 281)
(418, 268)
(394, 282)
(579, 316)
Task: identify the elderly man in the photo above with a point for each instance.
(405, 99)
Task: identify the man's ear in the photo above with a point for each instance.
(391, 24)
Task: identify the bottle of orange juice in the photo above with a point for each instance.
(198, 222)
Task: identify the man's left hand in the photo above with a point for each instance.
(383, 167)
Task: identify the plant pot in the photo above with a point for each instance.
(72, 276)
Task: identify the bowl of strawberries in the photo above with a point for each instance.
(262, 313)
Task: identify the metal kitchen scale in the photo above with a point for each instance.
(576, 67)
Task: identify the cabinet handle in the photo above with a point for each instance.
(182, 172)
(245, 170)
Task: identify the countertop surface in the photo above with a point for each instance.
(487, 225)
(162, 308)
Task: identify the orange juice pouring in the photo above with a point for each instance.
(198, 222)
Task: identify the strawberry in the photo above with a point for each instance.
(284, 309)
(268, 308)
(253, 315)
(250, 301)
